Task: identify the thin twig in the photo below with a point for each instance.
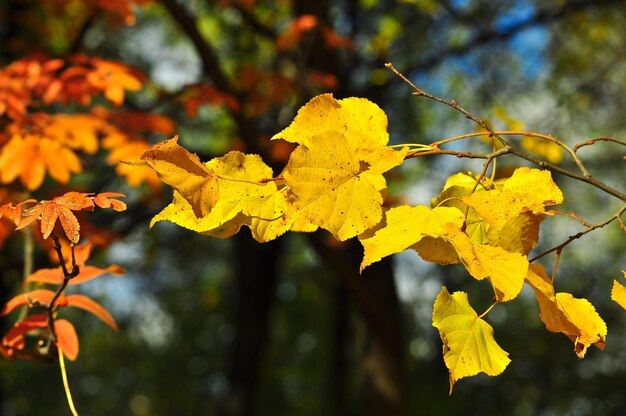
(598, 139)
(452, 104)
(560, 247)
(507, 148)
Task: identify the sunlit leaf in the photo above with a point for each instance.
(468, 343)
(88, 304)
(41, 296)
(618, 293)
(561, 312)
(67, 339)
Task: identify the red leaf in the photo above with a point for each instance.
(15, 334)
(41, 295)
(88, 304)
(67, 340)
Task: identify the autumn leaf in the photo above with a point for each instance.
(552, 152)
(468, 343)
(243, 200)
(184, 172)
(519, 234)
(441, 239)
(618, 293)
(41, 296)
(527, 190)
(114, 79)
(67, 339)
(55, 275)
(61, 207)
(561, 312)
(326, 178)
(505, 270)
(14, 338)
(405, 226)
(91, 306)
(336, 172)
(29, 156)
(362, 122)
(105, 200)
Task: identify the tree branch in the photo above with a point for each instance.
(492, 34)
(206, 52)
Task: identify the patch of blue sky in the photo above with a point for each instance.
(521, 12)
(530, 45)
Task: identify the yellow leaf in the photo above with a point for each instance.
(361, 121)
(468, 343)
(436, 250)
(184, 172)
(618, 293)
(332, 187)
(528, 190)
(505, 270)
(518, 235)
(552, 152)
(242, 201)
(561, 312)
(405, 226)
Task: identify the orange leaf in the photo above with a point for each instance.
(67, 340)
(15, 334)
(40, 295)
(75, 201)
(50, 276)
(88, 273)
(49, 217)
(88, 304)
(69, 223)
(103, 200)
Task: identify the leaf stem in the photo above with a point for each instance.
(488, 310)
(66, 384)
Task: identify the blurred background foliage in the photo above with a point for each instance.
(228, 327)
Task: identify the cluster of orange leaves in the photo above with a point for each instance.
(57, 212)
(34, 142)
(294, 33)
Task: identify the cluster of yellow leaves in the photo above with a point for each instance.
(334, 180)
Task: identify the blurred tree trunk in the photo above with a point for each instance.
(337, 390)
(374, 292)
(382, 353)
(256, 268)
(382, 356)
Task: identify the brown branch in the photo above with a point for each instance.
(67, 276)
(616, 217)
(492, 35)
(452, 103)
(598, 139)
(507, 148)
(206, 52)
